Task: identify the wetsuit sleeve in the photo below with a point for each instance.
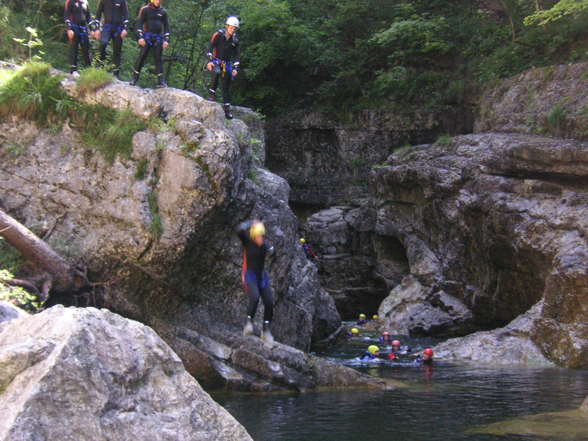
(140, 22)
(166, 33)
(88, 15)
(243, 231)
(67, 13)
(269, 249)
(237, 61)
(125, 15)
(99, 11)
(212, 45)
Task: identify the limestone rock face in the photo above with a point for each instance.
(327, 162)
(91, 375)
(511, 345)
(497, 221)
(354, 267)
(549, 101)
(10, 312)
(412, 308)
(158, 227)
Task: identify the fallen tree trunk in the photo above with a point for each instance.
(63, 276)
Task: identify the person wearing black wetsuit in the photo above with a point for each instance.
(77, 19)
(224, 56)
(114, 27)
(152, 33)
(254, 277)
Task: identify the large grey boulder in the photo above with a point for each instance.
(414, 309)
(498, 222)
(10, 312)
(511, 345)
(91, 375)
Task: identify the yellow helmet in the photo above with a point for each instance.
(373, 349)
(302, 240)
(256, 230)
(375, 317)
(362, 316)
(354, 331)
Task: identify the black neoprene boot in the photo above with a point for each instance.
(228, 113)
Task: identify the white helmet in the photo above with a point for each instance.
(232, 21)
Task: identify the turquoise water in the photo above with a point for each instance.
(441, 404)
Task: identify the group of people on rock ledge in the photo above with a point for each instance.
(111, 24)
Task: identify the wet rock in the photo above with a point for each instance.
(511, 345)
(91, 375)
(158, 227)
(247, 364)
(414, 309)
(584, 406)
(498, 222)
(10, 312)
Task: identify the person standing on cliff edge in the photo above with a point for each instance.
(78, 20)
(224, 55)
(255, 279)
(115, 28)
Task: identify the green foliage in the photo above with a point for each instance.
(156, 225)
(33, 93)
(561, 9)
(16, 295)
(556, 120)
(141, 172)
(444, 140)
(10, 259)
(91, 79)
(32, 43)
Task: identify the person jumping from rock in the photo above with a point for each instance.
(255, 279)
(78, 20)
(152, 34)
(224, 60)
(116, 23)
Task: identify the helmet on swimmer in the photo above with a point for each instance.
(385, 333)
(232, 21)
(429, 352)
(375, 317)
(362, 316)
(354, 331)
(373, 349)
(257, 230)
(396, 343)
(302, 240)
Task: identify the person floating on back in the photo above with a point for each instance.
(152, 34)
(310, 253)
(78, 20)
(372, 353)
(224, 60)
(254, 277)
(114, 27)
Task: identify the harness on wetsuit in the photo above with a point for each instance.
(114, 30)
(153, 38)
(81, 32)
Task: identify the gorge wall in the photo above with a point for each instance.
(475, 230)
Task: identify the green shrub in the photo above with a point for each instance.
(10, 259)
(156, 226)
(141, 172)
(33, 93)
(556, 119)
(92, 79)
(444, 140)
(17, 296)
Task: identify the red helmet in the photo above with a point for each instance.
(396, 343)
(428, 352)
